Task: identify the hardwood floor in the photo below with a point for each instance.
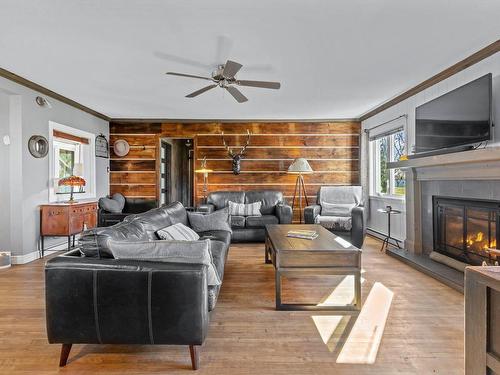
(423, 333)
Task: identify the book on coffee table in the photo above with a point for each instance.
(304, 234)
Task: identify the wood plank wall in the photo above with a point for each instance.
(332, 149)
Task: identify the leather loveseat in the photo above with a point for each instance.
(274, 210)
(96, 299)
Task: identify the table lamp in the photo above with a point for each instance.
(73, 180)
(300, 166)
(205, 171)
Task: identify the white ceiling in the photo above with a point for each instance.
(335, 59)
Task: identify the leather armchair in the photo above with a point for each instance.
(310, 213)
(341, 194)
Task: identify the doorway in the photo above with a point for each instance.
(176, 171)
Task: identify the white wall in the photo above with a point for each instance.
(489, 65)
(4, 175)
(28, 178)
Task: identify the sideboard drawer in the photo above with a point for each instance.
(76, 223)
(54, 220)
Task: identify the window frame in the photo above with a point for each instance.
(374, 153)
(87, 155)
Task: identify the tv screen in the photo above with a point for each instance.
(460, 117)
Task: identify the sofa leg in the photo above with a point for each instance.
(195, 356)
(65, 349)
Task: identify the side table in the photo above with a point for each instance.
(388, 210)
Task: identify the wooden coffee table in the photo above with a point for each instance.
(326, 255)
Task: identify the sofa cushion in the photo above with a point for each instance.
(220, 199)
(261, 221)
(178, 232)
(217, 235)
(337, 209)
(337, 223)
(162, 217)
(219, 220)
(113, 204)
(95, 242)
(198, 252)
(244, 209)
(237, 221)
(269, 199)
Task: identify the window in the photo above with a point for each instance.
(72, 152)
(67, 156)
(386, 149)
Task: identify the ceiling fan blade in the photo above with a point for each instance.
(230, 69)
(200, 91)
(188, 75)
(240, 98)
(260, 84)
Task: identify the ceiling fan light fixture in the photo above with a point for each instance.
(225, 78)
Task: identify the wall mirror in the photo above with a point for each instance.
(38, 146)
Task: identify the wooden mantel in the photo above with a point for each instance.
(487, 154)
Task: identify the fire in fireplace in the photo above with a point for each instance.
(466, 229)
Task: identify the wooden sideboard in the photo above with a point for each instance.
(66, 219)
(482, 320)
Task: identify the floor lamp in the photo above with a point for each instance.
(205, 171)
(300, 167)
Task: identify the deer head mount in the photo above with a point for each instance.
(236, 166)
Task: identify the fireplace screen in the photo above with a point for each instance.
(466, 229)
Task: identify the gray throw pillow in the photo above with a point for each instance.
(195, 252)
(218, 220)
(178, 232)
(242, 209)
(114, 204)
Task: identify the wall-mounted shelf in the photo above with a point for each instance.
(464, 157)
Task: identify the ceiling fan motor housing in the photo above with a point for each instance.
(217, 75)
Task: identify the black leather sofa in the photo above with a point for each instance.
(132, 206)
(251, 228)
(97, 299)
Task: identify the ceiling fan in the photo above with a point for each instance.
(225, 77)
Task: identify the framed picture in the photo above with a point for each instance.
(101, 146)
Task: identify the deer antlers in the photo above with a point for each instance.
(230, 151)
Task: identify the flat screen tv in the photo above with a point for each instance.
(461, 117)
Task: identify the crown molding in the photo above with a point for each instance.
(188, 121)
(45, 91)
(476, 57)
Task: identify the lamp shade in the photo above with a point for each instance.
(300, 165)
(71, 181)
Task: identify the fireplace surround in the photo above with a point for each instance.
(465, 229)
